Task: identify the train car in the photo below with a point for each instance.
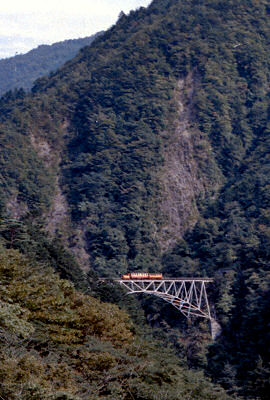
(125, 276)
(155, 276)
(141, 275)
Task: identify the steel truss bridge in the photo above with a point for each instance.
(188, 295)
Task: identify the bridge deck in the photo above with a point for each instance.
(189, 279)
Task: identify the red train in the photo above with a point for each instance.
(141, 275)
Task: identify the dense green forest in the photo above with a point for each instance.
(60, 343)
(100, 133)
(22, 70)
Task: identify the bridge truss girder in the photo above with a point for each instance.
(189, 295)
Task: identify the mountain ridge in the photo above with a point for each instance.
(21, 70)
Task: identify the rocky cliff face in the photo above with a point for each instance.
(58, 217)
(182, 180)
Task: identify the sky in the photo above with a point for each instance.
(25, 24)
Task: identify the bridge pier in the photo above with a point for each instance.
(215, 329)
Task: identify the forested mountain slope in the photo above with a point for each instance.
(149, 151)
(60, 344)
(22, 70)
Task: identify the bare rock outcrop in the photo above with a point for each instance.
(58, 220)
(181, 179)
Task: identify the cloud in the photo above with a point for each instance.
(10, 45)
(26, 24)
(101, 7)
(46, 26)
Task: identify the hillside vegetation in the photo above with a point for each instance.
(101, 130)
(58, 343)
